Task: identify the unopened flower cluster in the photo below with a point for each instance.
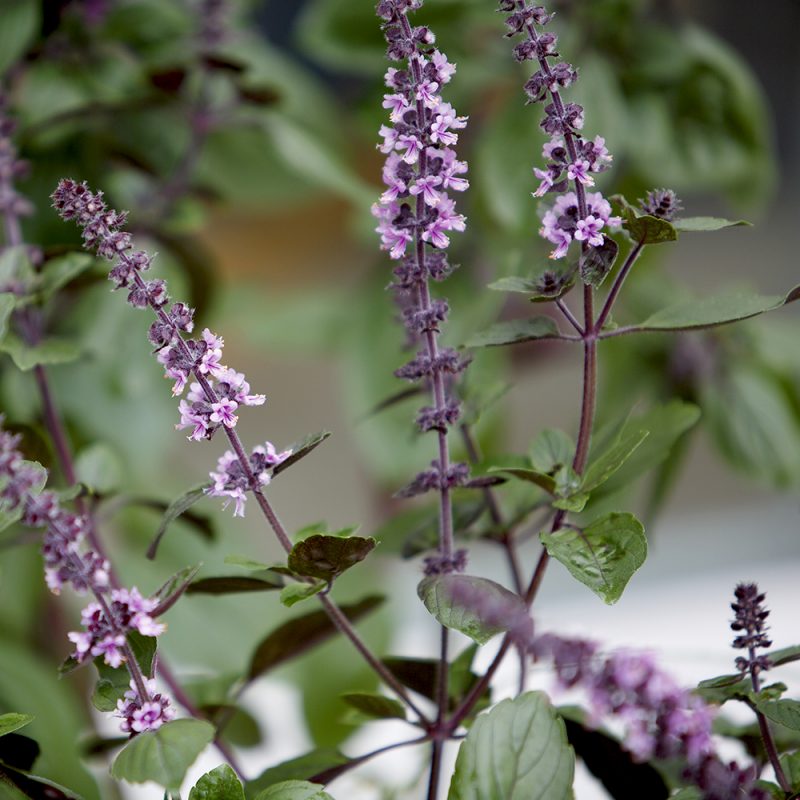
(661, 719)
(577, 215)
(217, 392)
(11, 168)
(417, 214)
(751, 628)
(115, 612)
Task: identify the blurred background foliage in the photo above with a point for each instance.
(263, 222)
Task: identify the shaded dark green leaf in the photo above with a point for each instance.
(644, 228)
(516, 751)
(622, 777)
(300, 450)
(18, 751)
(602, 556)
(596, 262)
(58, 272)
(515, 331)
(31, 786)
(219, 784)
(266, 581)
(301, 634)
(175, 509)
(375, 705)
(163, 756)
(477, 607)
(327, 557)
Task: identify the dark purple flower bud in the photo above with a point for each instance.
(546, 45)
(137, 297)
(444, 565)
(430, 418)
(428, 480)
(438, 266)
(182, 317)
(536, 89)
(428, 319)
(750, 623)
(662, 203)
(525, 50)
(419, 367)
(157, 295)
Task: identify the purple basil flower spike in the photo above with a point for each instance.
(569, 157)
(417, 217)
(217, 392)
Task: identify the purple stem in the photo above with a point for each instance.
(617, 286)
(763, 726)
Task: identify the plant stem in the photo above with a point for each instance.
(766, 733)
(617, 285)
(343, 625)
(569, 316)
(437, 751)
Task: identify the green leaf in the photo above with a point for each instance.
(7, 303)
(99, 467)
(316, 762)
(723, 688)
(245, 562)
(171, 590)
(163, 756)
(542, 479)
(174, 510)
(233, 584)
(300, 450)
(666, 424)
(603, 466)
(477, 607)
(58, 272)
(21, 23)
(754, 424)
(784, 712)
(644, 228)
(515, 331)
(327, 557)
(516, 751)
(26, 785)
(602, 556)
(706, 223)
(114, 682)
(294, 790)
(13, 722)
(551, 450)
(375, 705)
(219, 784)
(711, 311)
(301, 634)
(596, 262)
(689, 793)
(296, 592)
(48, 351)
(784, 656)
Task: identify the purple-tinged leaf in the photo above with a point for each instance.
(298, 635)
